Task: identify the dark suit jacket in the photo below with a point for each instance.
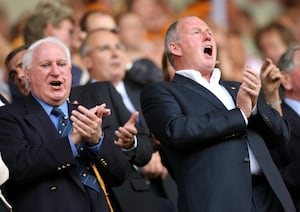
(205, 145)
(43, 174)
(134, 194)
(291, 172)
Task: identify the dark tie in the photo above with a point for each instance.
(87, 176)
(64, 125)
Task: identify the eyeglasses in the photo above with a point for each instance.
(106, 48)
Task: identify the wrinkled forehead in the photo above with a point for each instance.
(192, 22)
(48, 51)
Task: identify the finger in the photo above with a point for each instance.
(275, 75)
(251, 81)
(131, 129)
(94, 113)
(265, 65)
(101, 110)
(124, 133)
(132, 119)
(85, 122)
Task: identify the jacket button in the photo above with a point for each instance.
(246, 159)
(53, 188)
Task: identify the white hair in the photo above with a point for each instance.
(27, 58)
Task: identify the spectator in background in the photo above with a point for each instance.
(133, 34)
(273, 40)
(95, 19)
(52, 18)
(18, 84)
(105, 58)
(141, 68)
(140, 71)
(236, 57)
(289, 65)
(155, 19)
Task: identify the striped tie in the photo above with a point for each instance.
(64, 125)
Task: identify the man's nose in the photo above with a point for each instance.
(55, 70)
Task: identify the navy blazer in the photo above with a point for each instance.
(42, 168)
(205, 145)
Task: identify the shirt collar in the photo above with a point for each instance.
(48, 108)
(197, 76)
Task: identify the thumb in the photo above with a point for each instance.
(133, 118)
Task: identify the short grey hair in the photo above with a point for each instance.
(27, 58)
(171, 36)
(287, 61)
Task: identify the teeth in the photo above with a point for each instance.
(208, 49)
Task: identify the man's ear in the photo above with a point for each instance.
(175, 49)
(286, 81)
(87, 61)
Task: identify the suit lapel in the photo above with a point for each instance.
(232, 89)
(38, 119)
(205, 93)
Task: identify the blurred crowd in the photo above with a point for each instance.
(244, 33)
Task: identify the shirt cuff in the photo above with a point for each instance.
(134, 145)
(95, 149)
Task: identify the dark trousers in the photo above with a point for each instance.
(263, 197)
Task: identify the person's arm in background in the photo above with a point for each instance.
(270, 77)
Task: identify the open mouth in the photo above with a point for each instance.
(55, 83)
(208, 50)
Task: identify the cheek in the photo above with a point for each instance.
(296, 79)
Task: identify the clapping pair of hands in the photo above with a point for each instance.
(87, 126)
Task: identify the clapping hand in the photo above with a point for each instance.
(127, 133)
(87, 123)
(249, 91)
